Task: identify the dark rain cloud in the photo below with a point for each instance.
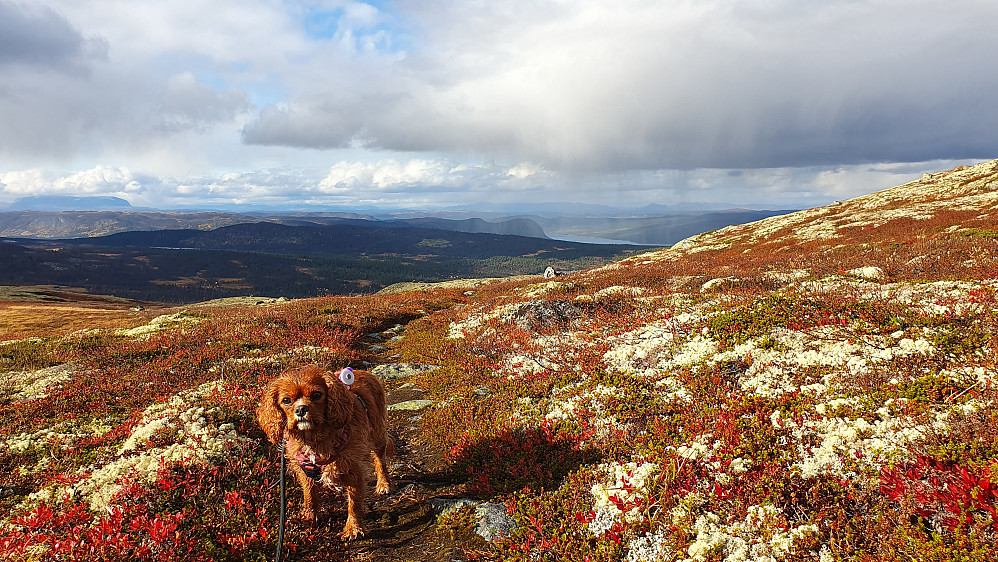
(657, 85)
(34, 34)
(61, 98)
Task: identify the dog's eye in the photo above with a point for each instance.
(316, 396)
(286, 401)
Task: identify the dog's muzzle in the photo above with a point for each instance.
(301, 418)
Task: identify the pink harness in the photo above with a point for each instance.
(312, 466)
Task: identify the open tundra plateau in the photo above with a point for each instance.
(816, 386)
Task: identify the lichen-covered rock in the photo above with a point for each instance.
(390, 371)
(410, 405)
(718, 283)
(493, 521)
(869, 272)
(540, 314)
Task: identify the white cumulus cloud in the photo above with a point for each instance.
(779, 102)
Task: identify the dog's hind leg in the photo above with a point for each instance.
(380, 458)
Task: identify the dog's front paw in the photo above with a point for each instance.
(383, 488)
(307, 516)
(351, 531)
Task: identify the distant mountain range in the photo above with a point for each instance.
(659, 230)
(555, 208)
(649, 229)
(190, 256)
(515, 226)
(293, 260)
(79, 224)
(68, 202)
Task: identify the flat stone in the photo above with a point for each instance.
(538, 314)
(493, 521)
(446, 505)
(719, 283)
(410, 405)
(869, 272)
(401, 370)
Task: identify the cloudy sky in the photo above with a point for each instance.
(476, 104)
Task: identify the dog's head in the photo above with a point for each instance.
(302, 400)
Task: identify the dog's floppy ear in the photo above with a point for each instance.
(269, 415)
(337, 398)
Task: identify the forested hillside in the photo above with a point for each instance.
(281, 260)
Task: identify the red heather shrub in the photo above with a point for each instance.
(944, 494)
(553, 525)
(128, 531)
(186, 513)
(513, 459)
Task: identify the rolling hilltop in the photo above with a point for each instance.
(360, 238)
(72, 224)
(813, 387)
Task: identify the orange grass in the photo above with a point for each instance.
(20, 320)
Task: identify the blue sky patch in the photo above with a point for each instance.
(322, 24)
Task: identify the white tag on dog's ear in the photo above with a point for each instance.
(346, 376)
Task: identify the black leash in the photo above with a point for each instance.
(284, 503)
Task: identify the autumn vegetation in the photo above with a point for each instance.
(814, 387)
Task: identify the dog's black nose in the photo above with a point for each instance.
(301, 411)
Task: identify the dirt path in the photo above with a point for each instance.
(401, 526)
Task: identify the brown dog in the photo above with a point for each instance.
(334, 433)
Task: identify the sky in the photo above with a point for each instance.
(340, 104)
